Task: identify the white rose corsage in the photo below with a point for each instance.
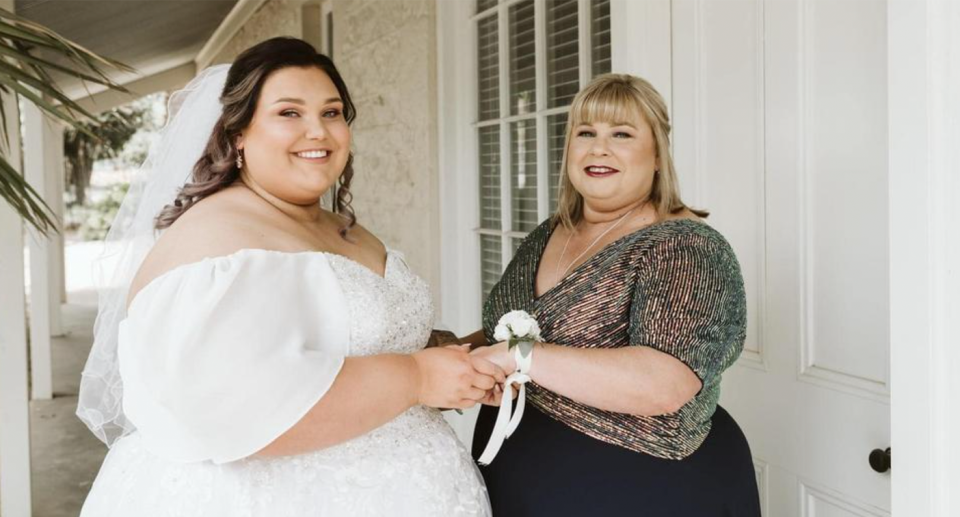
(520, 330)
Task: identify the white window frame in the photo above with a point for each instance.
(640, 43)
(311, 23)
(326, 24)
(316, 27)
(316, 23)
(644, 52)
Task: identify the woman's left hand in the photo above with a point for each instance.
(498, 354)
(501, 355)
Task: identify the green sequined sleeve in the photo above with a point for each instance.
(689, 302)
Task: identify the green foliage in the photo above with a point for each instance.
(113, 128)
(99, 215)
(24, 73)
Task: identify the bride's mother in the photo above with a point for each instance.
(641, 306)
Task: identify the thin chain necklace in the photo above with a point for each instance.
(556, 274)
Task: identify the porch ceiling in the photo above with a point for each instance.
(152, 36)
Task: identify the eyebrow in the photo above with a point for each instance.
(302, 102)
(615, 124)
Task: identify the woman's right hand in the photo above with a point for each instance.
(451, 378)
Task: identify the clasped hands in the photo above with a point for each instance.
(453, 377)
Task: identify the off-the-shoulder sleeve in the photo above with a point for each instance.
(221, 357)
(689, 302)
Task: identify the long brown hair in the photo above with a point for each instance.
(614, 98)
(216, 169)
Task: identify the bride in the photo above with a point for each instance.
(263, 356)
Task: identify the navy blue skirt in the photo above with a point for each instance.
(547, 469)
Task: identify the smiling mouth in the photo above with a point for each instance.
(598, 171)
(313, 154)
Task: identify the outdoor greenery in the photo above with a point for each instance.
(127, 135)
(29, 52)
(114, 129)
(92, 221)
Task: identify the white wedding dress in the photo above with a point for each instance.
(220, 357)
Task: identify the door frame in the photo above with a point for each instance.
(924, 253)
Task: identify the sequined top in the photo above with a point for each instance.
(674, 286)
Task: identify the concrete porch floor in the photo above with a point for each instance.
(65, 455)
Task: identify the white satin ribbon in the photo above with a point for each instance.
(507, 424)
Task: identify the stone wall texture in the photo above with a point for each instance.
(274, 18)
(386, 51)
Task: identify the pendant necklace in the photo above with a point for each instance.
(556, 274)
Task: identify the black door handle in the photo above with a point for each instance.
(880, 460)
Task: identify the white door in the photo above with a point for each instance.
(780, 116)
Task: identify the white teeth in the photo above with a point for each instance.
(599, 170)
(313, 154)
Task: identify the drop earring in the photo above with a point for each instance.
(240, 158)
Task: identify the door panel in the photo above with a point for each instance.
(845, 192)
(780, 115)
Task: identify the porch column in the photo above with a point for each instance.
(53, 163)
(14, 406)
(35, 165)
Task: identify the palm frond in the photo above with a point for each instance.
(25, 200)
(38, 63)
(28, 75)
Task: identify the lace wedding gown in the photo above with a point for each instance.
(222, 356)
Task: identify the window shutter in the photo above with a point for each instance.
(515, 126)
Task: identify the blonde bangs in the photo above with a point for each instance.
(609, 103)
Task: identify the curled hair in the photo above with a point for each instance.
(216, 169)
(616, 98)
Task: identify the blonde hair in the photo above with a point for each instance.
(616, 98)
